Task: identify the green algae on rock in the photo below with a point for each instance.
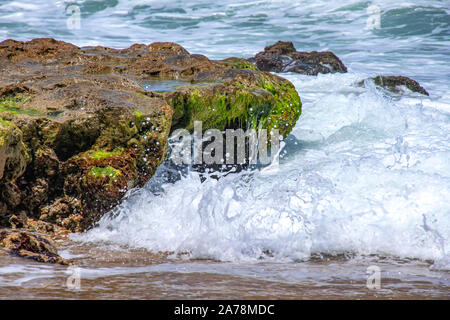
(249, 99)
(102, 172)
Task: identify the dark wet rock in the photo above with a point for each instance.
(31, 245)
(78, 129)
(107, 122)
(17, 222)
(393, 84)
(283, 57)
(239, 63)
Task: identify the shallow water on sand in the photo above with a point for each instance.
(121, 273)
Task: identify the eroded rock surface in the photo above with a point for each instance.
(74, 141)
(393, 83)
(31, 245)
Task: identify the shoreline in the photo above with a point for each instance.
(138, 274)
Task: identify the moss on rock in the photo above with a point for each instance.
(14, 105)
(108, 172)
(239, 63)
(100, 154)
(251, 100)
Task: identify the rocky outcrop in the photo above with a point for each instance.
(81, 126)
(283, 57)
(393, 83)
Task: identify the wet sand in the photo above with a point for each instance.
(122, 273)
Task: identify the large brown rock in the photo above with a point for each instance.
(85, 125)
(72, 137)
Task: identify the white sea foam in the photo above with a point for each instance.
(372, 176)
